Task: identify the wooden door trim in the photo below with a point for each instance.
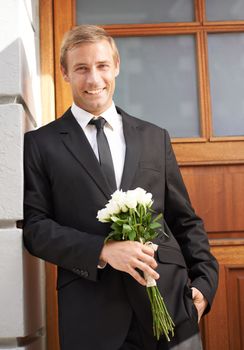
(63, 93)
(189, 151)
(47, 69)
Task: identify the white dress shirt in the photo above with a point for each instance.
(113, 130)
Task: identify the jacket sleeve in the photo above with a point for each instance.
(66, 247)
(188, 230)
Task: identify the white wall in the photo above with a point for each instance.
(22, 321)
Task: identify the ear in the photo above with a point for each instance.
(64, 74)
(117, 67)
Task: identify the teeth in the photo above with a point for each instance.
(94, 92)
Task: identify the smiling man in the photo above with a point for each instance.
(91, 69)
(72, 166)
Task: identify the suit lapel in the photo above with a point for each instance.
(76, 142)
(133, 150)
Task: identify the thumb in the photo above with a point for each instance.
(196, 294)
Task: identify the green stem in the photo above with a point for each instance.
(162, 322)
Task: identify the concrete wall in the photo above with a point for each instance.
(22, 318)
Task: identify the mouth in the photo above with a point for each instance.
(94, 92)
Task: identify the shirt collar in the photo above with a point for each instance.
(83, 117)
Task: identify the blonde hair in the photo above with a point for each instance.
(85, 34)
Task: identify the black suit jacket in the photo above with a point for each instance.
(64, 189)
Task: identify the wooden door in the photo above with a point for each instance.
(212, 167)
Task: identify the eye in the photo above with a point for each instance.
(80, 69)
(104, 66)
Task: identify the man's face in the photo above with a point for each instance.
(91, 72)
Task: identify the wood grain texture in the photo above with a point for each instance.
(48, 109)
(63, 21)
(215, 324)
(218, 152)
(223, 327)
(47, 61)
(217, 194)
(51, 308)
(235, 283)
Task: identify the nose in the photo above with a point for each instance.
(93, 76)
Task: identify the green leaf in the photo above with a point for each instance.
(113, 236)
(132, 235)
(118, 220)
(147, 218)
(116, 228)
(147, 236)
(153, 235)
(150, 235)
(158, 217)
(154, 225)
(141, 230)
(131, 221)
(126, 229)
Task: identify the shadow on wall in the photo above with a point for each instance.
(16, 82)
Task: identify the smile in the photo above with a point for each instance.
(95, 92)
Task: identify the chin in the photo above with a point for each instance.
(101, 107)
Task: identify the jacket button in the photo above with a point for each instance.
(85, 274)
(76, 270)
(80, 272)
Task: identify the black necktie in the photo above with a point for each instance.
(105, 157)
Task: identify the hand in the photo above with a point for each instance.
(128, 256)
(199, 301)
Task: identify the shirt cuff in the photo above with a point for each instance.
(101, 264)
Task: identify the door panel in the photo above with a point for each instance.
(213, 170)
(224, 327)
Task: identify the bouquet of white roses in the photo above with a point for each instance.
(131, 216)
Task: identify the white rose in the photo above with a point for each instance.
(131, 200)
(103, 215)
(143, 197)
(148, 199)
(119, 198)
(140, 195)
(124, 209)
(113, 207)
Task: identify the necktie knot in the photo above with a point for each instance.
(98, 122)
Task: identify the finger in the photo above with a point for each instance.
(200, 306)
(137, 276)
(146, 269)
(197, 295)
(149, 260)
(147, 250)
(198, 311)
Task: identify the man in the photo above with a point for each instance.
(102, 298)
